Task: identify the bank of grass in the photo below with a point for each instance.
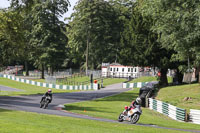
(148, 79)
(110, 81)
(27, 89)
(175, 95)
(111, 107)
(25, 122)
(86, 80)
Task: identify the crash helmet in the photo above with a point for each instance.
(49, 90)
(126, 107)
(138, 100)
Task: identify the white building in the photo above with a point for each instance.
(118, 70)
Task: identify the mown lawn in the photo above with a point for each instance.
(26, 122)
(111, 107)
(27, 88)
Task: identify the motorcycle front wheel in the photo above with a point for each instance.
(120, 119)
(135, 118)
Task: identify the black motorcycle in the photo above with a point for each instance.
(44, 103)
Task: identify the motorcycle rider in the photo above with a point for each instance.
(48, 93)
(138, 101)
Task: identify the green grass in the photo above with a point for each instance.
(175, 95)
(106, 81)
(144, 79)
(70, 81)
(25, 122)
(27, 88)
(111, 107)
(148, 79)
(109, 81)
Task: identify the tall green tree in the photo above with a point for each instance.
(177, 23)
(93, 33)
(141, 46)
(11, 37)
(23, 7)
(47, 34)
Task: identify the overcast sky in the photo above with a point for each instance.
(5, 4)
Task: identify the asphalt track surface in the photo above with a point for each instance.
(31, 103)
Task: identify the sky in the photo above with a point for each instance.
(5, 4)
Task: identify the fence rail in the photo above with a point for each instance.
(194, 116)
(134, 85)
(167, 109)
(55, 86)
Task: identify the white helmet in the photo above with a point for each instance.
(138, 100)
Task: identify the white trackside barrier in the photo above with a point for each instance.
(194, 116)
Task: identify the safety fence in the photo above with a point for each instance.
(194, 116)
(55, 86)
(134, 85)
(167, 109)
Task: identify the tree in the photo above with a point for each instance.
(177, 23)
(11, 36)
(140, 44)
(47, 34)
(93, 33)
(23, 7)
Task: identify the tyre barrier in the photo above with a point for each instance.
(167, 109)
(55, 86)
(194, 116)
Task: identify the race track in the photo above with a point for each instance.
(31, 103)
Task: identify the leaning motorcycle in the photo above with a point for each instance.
(133, 115)
(45, 102)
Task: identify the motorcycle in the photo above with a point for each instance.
(44, 103)
(133, 115)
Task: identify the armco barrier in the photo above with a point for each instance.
(134, 85)
(64, 87)
(167, 109)
(194, 116)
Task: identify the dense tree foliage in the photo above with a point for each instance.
(177, 22)
(156, 33)
(94, 32)
(44, 40)
(11, 37)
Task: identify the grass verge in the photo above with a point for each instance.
(111, 107)
(27, 88)
(24, 122)
(79, 80)
(175, 95)
(148, 79)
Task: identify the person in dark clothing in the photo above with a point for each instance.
(48, 93)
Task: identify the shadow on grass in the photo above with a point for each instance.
(5, 110)
(91, 109)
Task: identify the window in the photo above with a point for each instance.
(131, 69)
(111, 69)
(114, 70)
(122, 69)
(128, 69)
(135, 69)
(117, 69)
